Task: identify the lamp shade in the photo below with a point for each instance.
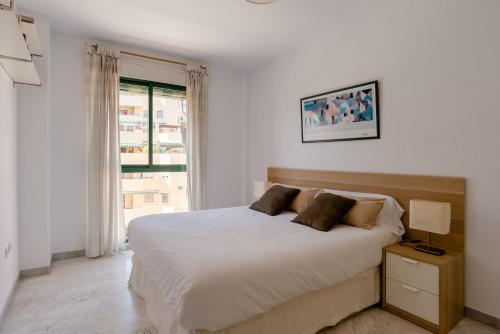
(259, 188)
(430, 216)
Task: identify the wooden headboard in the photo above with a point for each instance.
(401, 187)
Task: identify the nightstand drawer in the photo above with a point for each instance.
(418, 274)
(415, 301)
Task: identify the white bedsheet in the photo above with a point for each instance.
(216, 268)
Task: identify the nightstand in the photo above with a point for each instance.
(425, 289)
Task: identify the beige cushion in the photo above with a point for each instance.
(364, 213)
(303, 199)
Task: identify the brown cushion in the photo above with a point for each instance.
(325, 211)
(364, 213)
(275, 199)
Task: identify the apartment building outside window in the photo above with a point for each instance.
(153, 121)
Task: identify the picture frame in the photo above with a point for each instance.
(350, 113)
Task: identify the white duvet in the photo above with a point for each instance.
(216, 268)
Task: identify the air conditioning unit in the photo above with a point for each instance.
(28, 30)
(6, 4)
(18, 45)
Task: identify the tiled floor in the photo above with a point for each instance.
(83, 296)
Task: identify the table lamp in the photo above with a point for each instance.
(432, 217)
(260, 187)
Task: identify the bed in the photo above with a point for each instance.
(238, 271)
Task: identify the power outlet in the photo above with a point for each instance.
(8, 249)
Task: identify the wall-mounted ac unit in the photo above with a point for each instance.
(18, 44)
(6, 4)
(28, 30)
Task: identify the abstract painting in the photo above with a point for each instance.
(349, 113)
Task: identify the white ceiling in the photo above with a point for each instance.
(230, 32)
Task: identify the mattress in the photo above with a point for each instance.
(217, 268)
(306, 314)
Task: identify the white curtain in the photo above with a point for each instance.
(197, 101)
(103, 197)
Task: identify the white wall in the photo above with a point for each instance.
(226, 129)
(437, 63)
(226, 89)
(33, 162)
(9, 266)
(66, 143)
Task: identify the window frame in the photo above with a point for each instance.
(150, 167)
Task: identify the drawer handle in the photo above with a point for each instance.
(409, 260)
(409, 288)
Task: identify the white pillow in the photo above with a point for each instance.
(390, 215)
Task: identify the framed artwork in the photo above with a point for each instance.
(349, 113)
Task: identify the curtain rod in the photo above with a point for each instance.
(139, 55)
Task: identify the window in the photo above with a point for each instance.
(153, 120)
(149, 198)
(164, 198)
